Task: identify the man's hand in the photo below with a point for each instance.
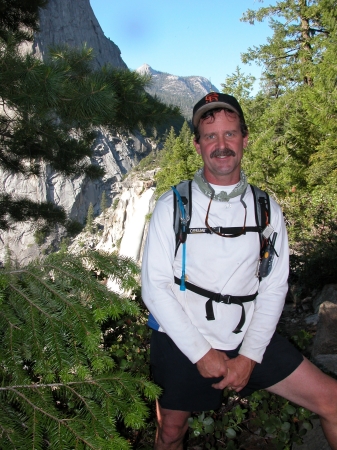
(213, 364)
(239, 371)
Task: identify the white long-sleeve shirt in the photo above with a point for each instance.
(218, 264)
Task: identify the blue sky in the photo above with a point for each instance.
(183, 37)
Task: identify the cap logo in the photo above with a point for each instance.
(213, 97)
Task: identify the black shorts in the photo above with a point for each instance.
(185, 389)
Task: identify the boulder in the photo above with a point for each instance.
(325, 342)
(329, 292)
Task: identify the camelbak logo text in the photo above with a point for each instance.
(198, 230)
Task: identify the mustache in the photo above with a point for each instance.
(222, 152)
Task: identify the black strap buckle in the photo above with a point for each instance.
(226, 299)
(218, 298)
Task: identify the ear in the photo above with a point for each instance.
(197, 146)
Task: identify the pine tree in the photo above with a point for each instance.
(292, 126)
(51, 110)
(90, 218)
(63, 383)
(297, 41)
(180, 160)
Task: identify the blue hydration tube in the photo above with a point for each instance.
(183, 220)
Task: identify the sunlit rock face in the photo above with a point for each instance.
(123, 227)
(116, 154)
(125, 230)
(74, 23)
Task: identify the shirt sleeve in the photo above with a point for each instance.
(272, 292)
(158, 284)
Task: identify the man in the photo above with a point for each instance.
(192, 357)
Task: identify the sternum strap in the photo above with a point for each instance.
(218, 298)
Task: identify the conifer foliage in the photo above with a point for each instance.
(292, 122)
(179, 160)
(60, 386)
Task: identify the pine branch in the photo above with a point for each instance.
(58, 380)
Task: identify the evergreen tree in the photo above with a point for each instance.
(296, 44)
(51, 110)
(291, 150)
(90, 218)
(239, 85)
(8, 263)
(180, 160)
(63, 381)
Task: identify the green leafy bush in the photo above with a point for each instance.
(271, 421)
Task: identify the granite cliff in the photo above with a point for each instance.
(72, 23)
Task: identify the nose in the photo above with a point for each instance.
(222, 141)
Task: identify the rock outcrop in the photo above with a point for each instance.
(74, 23)
(324, 351)
(116, 154)
(123, 226)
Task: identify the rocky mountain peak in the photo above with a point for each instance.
(146, 69)
(177, 90)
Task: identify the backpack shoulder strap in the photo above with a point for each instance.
(184, 188)
(262, 209)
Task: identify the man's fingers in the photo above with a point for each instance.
(223, 383)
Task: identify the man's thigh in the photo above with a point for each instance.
(280, 359)
(309, 387)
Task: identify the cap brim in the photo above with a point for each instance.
(211, 105)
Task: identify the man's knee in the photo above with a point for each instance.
(172, 425)
(171, 433)
(328, 405)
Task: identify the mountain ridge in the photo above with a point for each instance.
(181, 91)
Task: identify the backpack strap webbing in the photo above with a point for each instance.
(185, 190)
(262, 212)
(219, 298)
(261, 207)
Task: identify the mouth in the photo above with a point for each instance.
(222, 153)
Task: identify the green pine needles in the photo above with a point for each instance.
(61, 387)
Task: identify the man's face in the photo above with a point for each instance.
(221, 147)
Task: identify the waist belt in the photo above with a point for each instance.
(218, 298)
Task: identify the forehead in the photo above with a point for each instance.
(226, 120)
